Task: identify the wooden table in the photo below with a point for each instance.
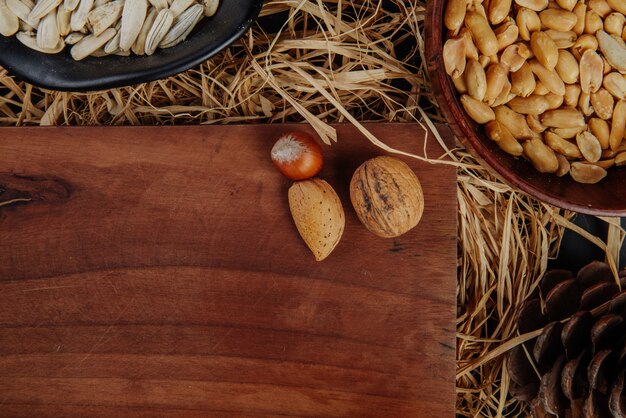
(157, 272)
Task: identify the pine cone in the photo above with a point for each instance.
(581, 352)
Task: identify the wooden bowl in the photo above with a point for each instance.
(61, 72)
(605, 198)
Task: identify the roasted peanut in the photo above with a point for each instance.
(601, 7)
(535, 124)
(497, 76)
(568, 133)
(558, 19)
(562, 146)
(454, 59)
(505, 96)
(550, 79)
(563, 118)
(589, 146)
(562, 40)
(618, 125)
(564, 166)
(532, 105)
(499, 10)
(545, 49)
(603, 103)
(554, 101)
(614, 24)
(475, 80)
(572, 94)
(567, 4)
(483, 35)
(455, 14)
(541, 89)
(514, 123)
(459, 84)
(506, 34)
(567, 67)
(523, 81)
(600, 129)
(618, 6)
(528, 22)
(620, 159)
(471, 52)
(587, 173)
(614, 49)
(593, 22)
(615, 83)
(511, 58)
(498, 133)
(580, 10)
(478, 111)
(591, 72)
(536, 5)
(541, 156)
(584, 43)
(584, 104)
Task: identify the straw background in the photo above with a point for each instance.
(323, 61)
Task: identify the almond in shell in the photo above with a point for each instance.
(318, 215)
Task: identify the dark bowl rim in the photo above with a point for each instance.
(442, 87)
(144, 76)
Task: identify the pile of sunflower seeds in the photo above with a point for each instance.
(102, 27)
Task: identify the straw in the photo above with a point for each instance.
(320, 62)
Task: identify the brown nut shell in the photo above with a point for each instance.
(318, 215)
(387, 196)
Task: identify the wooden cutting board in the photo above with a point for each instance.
(157, 272)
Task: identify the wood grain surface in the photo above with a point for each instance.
(157, 272)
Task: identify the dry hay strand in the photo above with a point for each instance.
(329, 61)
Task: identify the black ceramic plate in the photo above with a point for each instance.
(61, 72)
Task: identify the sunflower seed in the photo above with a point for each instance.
(133, 17)
(42, 8)
(48, 33)
(90, 44)
(140, 43)
(9, 23)
(63, 20)
(21, 10)
(183, 26)
(80, 15)
(70, 4)
(159, 30)
(179, 6)
(160, 4)
(105, 16)
(113, 45)
(210, 7)
(31, 42)
(73, 38)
